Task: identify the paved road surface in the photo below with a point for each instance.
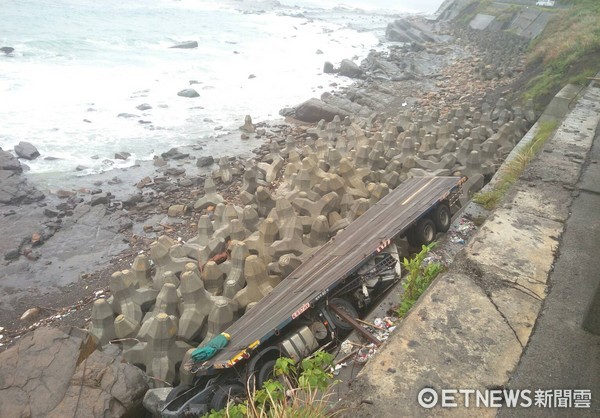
(561, 354)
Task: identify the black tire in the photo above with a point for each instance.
(227, 394)
(177, 390)
(423, 233)
(442, 217)
(347, 307)
(265, 373)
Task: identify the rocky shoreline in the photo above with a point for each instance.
(432, 105)
(442, 68)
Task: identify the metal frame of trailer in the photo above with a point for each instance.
(330, 268)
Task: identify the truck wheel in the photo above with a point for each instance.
(265, 373)
(423, 233)
(229, 394)
(178, 390)
(347, 307)
(442, 217)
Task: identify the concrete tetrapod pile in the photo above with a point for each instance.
(175, 298)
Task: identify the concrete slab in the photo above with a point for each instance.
(554, 168)
(458, 316)
(517, 247)
(519, 308)
(543, 200)
(563, 102)
(481, 21)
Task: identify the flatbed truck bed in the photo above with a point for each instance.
(338, 259)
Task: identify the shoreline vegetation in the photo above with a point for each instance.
(568, 52)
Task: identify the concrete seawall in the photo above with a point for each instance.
(471, 327)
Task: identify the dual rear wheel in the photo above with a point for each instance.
(426, 229)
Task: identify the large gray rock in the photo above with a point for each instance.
(155, 400)
(9, 162)
(349, 69)
(328, 68)
(186, 45)
(205, 161)
(188, 93)
(7, 49)
(14, 189)
(26, 150)
(174, 154)
(313, 110)
(55, 372)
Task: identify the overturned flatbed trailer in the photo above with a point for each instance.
(412, 208)
(339, 258)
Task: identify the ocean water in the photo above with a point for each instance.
(81, 68)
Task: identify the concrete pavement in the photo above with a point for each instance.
(472, 329)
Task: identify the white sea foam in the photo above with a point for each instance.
(78, 65)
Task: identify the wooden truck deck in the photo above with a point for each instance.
(331, 264)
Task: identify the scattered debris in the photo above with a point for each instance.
(30, 313)
(462, 232)
(381, 327)
(346, 347)
(364, 354)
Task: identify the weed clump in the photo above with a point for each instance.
(419, 277)
(513, 170)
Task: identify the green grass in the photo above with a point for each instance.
(418, 279)
(297, 391)
(513, 170)
(567, 51)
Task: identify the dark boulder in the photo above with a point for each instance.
(9, 162)
(26, 150)
(175, 171)
(349, 69)
(186, 45)
(205, 161)
(328, 68)
(7, 49)
(174, 154)
(99, 199)
(132, 200)
(127, 115)
(14, 189)
(57, 372)
(122, 155)
(313, 110)
(190, 93)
